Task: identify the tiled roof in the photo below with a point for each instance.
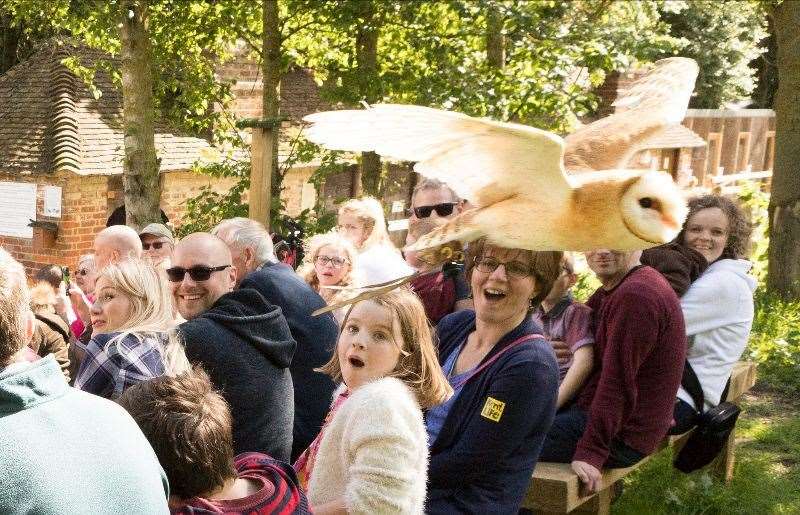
(50, 121)
(674, 136)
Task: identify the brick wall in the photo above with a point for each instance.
(86, 204)
(299, 90)
(84, 207)
(177, 187)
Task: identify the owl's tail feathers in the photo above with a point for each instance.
(444, 243)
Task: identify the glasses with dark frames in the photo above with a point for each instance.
(198, 273)
(444, 209)
(488, 265)
(335, 262)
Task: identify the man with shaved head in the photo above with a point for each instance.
(240, 339)
(116, 243)
(112, 244)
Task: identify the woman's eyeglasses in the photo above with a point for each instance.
(335, 262)
(445, 209)
(197, 273)
(513, 268)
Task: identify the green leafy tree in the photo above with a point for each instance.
(723, 37)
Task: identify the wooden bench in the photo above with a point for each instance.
(556, 489)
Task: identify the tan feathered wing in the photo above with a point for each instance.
(482, 160)
(652, 103)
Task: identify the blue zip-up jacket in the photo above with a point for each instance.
(483, 458)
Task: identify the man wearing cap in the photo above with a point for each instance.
(157, 244)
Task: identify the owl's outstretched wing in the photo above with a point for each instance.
(368, 292)
(482, 160)
(652, 103)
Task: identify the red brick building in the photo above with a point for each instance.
(55, 133)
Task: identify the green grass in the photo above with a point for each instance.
(766, 477)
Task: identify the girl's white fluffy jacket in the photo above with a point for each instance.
(374, 452)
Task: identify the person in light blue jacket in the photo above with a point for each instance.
(63, 451)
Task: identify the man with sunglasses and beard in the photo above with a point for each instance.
(442, 288)
(240, 339)
(157, 245)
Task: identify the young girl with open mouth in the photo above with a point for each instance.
(371, 455)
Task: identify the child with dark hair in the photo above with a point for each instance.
(189, 426)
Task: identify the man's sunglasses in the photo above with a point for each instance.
(197, 273)
(156, 245)
(445, 209)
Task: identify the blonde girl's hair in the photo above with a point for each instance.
(418, 365)
(151, 309)
(369, 212)
(312, 248)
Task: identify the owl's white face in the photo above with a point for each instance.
(653, 208)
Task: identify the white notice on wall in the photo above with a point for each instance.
(52, 201)
(17, 209)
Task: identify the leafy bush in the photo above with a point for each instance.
(775, 342)
(209, 207)
(775, 336)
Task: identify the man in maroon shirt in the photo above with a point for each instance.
(625, 409)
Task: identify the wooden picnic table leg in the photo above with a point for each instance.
(599, 504)
(722, 467)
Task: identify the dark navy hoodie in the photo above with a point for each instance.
(483, 458)
(316, 340)
(244, 344)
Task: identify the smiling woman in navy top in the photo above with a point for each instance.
(486, 439)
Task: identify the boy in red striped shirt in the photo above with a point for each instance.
(189, 426)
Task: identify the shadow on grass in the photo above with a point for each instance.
(766, 478)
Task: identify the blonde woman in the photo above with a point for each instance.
(362, 222)
(132, 324)
(330, 260)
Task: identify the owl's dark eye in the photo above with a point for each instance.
(646, 202)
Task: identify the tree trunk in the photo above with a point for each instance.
(140, 179)
(369, 87)
(495, 41)
(783, 275)
(265, 178)
(9, 41)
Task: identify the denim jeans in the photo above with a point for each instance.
(566, 431)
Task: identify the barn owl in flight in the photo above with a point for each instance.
(516, 176)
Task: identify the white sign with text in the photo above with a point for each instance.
(52, 201)
(17, 209)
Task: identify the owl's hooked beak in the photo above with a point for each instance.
(670, 222)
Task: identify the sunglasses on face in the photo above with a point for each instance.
(82, 271)
(156, 245)
(488, 265)
(335, 262)
(445, 209)
(197, 273)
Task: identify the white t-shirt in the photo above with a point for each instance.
(381, 263)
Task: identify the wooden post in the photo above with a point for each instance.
(261, 174)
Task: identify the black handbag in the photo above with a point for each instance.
(713, 426)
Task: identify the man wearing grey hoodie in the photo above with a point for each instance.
(241, 340)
